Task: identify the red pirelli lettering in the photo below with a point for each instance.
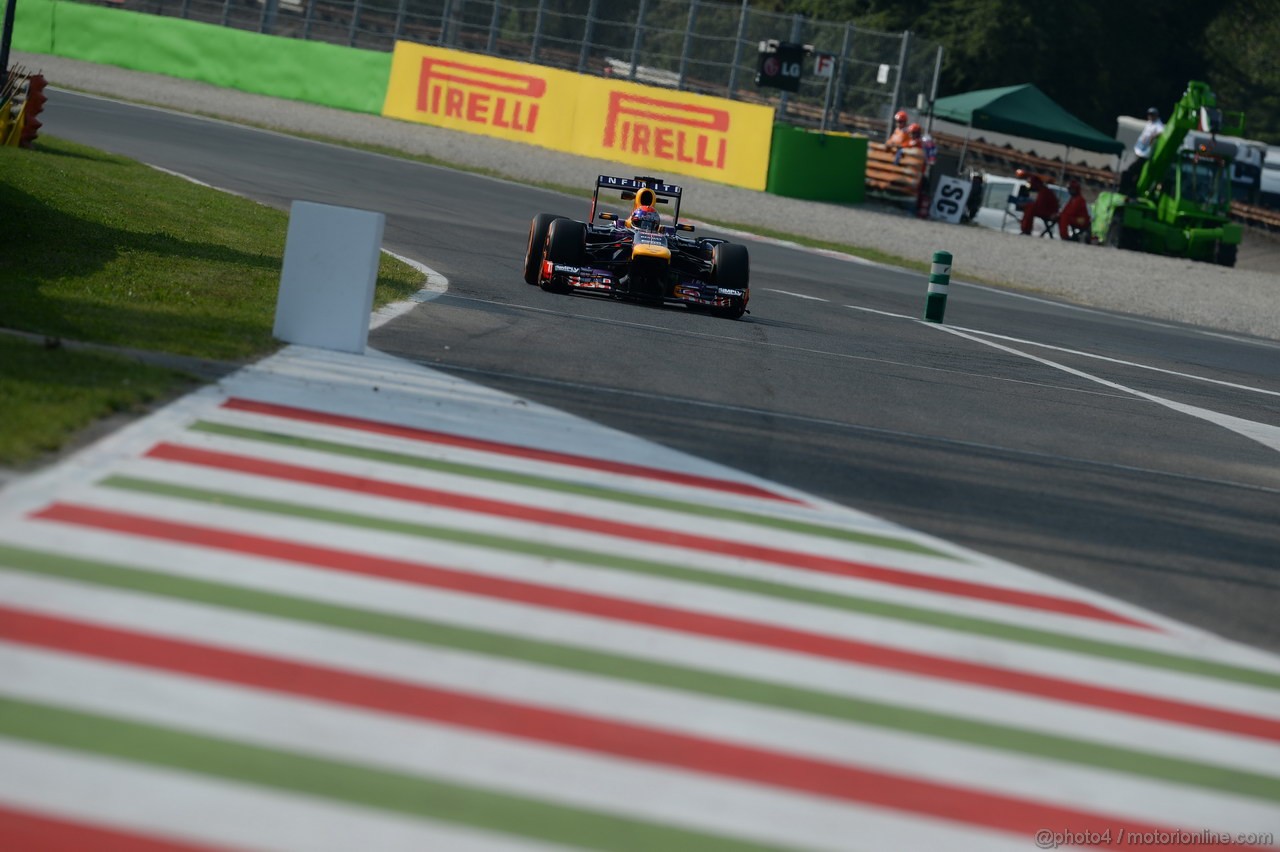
(668, 130)
(439, 71)
(479, 95)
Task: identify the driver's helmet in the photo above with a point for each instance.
(645, 219)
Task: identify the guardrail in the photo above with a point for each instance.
(1255, 216)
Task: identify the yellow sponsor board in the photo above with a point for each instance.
(668, 131)
(650, 128)
(480, 94)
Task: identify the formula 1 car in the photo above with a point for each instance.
(635, 255)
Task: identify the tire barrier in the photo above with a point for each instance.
(32, 107)
(894, 174)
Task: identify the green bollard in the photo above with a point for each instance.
(935, 304)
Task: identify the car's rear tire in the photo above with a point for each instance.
(731, 268)
(537, 242)
(567, 244)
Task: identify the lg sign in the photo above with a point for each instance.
(774, 67)
(781, 65)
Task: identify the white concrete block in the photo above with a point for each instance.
(326, 284)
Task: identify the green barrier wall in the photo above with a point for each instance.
(817, 166)
(311, 71)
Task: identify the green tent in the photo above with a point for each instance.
(1023, 111)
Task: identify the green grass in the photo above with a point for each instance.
(49, 395)
(101, 249)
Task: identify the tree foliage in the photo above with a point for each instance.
(1242, 46)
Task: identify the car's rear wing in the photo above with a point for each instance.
(642, 191)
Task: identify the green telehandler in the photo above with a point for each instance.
(1177, 202)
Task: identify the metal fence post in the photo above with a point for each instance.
(837, 97)
(635, 43)
(226, 11)
(306, 20)
(495, 21)
(588, 30)
(6, 40)
(737, 50)
(793, 37)
(688, 41)
(268, 13)
(446, 12)
(457, 13)
(933, 90)
(537, 32)
(395, 36)
(355, 17)
(897, 83)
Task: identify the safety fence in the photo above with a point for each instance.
(691, 45)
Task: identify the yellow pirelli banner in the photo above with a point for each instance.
(651, 128)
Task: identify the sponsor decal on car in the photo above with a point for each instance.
(632, 183)
(725, 291)
(592, 283)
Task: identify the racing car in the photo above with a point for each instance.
(636, 255)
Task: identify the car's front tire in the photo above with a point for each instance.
(567, 244)
(537, 242)
(731, 268)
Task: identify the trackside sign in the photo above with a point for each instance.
(664, 131)
(494, 97)
(643, 126)
(667, 130)
(480, 96)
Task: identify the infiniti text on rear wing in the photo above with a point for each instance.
(630, 189)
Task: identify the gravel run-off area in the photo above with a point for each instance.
(1243, 300)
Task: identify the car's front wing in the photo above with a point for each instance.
(687, 289)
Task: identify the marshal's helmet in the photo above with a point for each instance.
(900, 117)
(645, 219)
(914, 129)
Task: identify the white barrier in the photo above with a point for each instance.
(326, 283)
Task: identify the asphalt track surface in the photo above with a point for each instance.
(1083, 444)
